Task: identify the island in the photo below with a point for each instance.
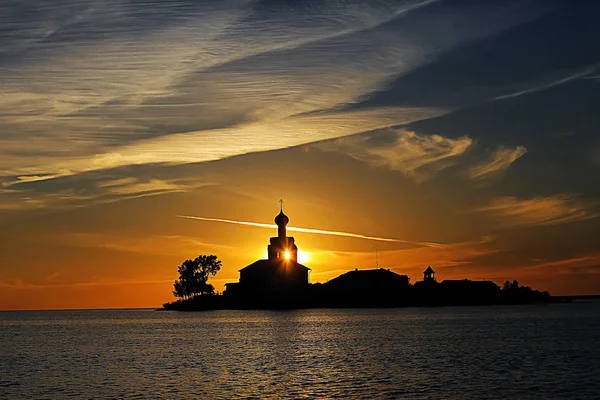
(281, 282)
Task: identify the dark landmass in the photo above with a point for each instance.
(378, 288)
(281, 282)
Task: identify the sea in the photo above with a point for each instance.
(495, 352)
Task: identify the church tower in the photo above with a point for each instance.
(280, 273)
(282, 247)
(429, 275)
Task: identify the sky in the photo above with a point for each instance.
(460, 134)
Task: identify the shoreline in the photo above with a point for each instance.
(220, 302)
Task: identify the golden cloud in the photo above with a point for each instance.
(418, 156)
(550, 210)
(500, 161)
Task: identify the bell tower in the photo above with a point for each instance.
(429, 274)
(282, 247)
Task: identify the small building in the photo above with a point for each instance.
(281, 271)
(427, 291)
(429, 275)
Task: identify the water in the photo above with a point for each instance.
(456, 352)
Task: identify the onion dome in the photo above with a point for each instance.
(281, 219)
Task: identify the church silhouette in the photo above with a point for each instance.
(281, 271)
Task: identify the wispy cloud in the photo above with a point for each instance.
(204, 81)
(296, 229)
(539, 211)
(586, 260)
(128, 186)
(578, 75)
(148, 95)
(210, 145)
(149, 244)
(500, 161)
(28, 199)
(418, 156)
(28, 195)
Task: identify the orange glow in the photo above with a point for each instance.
(303, 257)
(287, 255)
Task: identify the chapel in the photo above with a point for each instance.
(281, 270)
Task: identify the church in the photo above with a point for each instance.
(280, 271)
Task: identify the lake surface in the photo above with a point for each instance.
(540, 351)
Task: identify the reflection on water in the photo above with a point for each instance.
(462, 352)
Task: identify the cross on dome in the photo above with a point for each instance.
(281, 220)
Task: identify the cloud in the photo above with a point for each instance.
(211, 145)
(296, 229)
(569, 264)
(500, 161)
(174, 245)
(29, 199)
(129, 186)
(64, 192)
(419, 156)
(539, 211)
(578, 75)
(202, 81)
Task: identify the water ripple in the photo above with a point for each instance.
(486, 352)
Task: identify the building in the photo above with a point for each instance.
(369, 280)
(456, 292)
(429, 275)
(280, 271)
(466, 291)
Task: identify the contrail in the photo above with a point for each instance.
(293, 229)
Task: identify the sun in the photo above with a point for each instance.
(303, 256)
(287, 255)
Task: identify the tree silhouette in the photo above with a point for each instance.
(193, 276)
(511, 286)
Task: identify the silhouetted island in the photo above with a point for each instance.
(281, 282)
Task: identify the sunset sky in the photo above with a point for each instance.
(467, 132)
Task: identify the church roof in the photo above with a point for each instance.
(260, 264)
(429, 270)
(463, 283)
(365, 276)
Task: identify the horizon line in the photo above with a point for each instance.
(158, 308)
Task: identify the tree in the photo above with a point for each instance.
(511, 286)
(193, 276)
